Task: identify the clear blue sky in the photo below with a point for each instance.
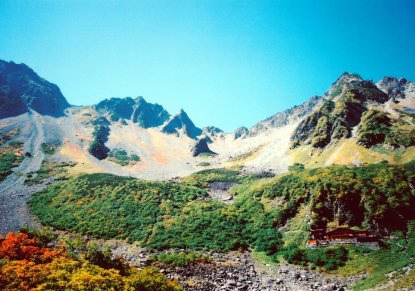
(227, 63)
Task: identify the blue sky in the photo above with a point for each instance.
(226, 63)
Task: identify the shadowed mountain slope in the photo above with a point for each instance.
(37, 93)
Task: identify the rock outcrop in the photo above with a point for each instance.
(181, 123)
(137, 110)
(212, 131)
(240, 132)
(394, 87)
(201, 147)
(116, 108)
(35, 92)
(148, 114)
(10, 103)
(341, 110)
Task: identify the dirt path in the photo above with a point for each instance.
(14, 212)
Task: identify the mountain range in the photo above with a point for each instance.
(327, 185)
(355, 122)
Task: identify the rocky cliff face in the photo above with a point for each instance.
(149, 115)
(341, 110)
(181, 122)
(201, 147)
(116, 108)
(35, 92)
(137, 110)
(396, 88)
(10, 103)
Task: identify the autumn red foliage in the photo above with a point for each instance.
(21, 247)
(26, 264)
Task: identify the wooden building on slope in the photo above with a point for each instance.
(342, 235)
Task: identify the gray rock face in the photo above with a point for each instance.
(394, 87)
(200, 147)
(137, 110)
(240, 132)
(10, 103)
(116, 107)
(212, 131)
(181, 122)
(35, 92)
(148, 114)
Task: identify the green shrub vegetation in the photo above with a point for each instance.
(378, 265)
(48, 169)
(200, 225)
(10, 156)
(48, 149)
(165, 215)
(378, 196)
(122, 158)
(203, 178)
(296, 167)
(160, 215)
(329, 258)
(374, 128)
(110, 206)
(378, 128)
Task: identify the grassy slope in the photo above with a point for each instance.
(347, 152)
(179, 215)
(11, 156)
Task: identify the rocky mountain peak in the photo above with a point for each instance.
(365, 90)
(116, 108)
(212, 131)
(396, 88)
(137, 110)
(35, 92)
(342, 110)
(343, 82)
(283, 118)
(348, 77)
(148, 114)
(181, 121)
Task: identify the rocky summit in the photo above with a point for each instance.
(35, 92)
(181, 123)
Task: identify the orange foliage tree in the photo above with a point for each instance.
(27, 265)
(21, 247)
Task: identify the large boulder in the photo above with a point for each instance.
(201, 147)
